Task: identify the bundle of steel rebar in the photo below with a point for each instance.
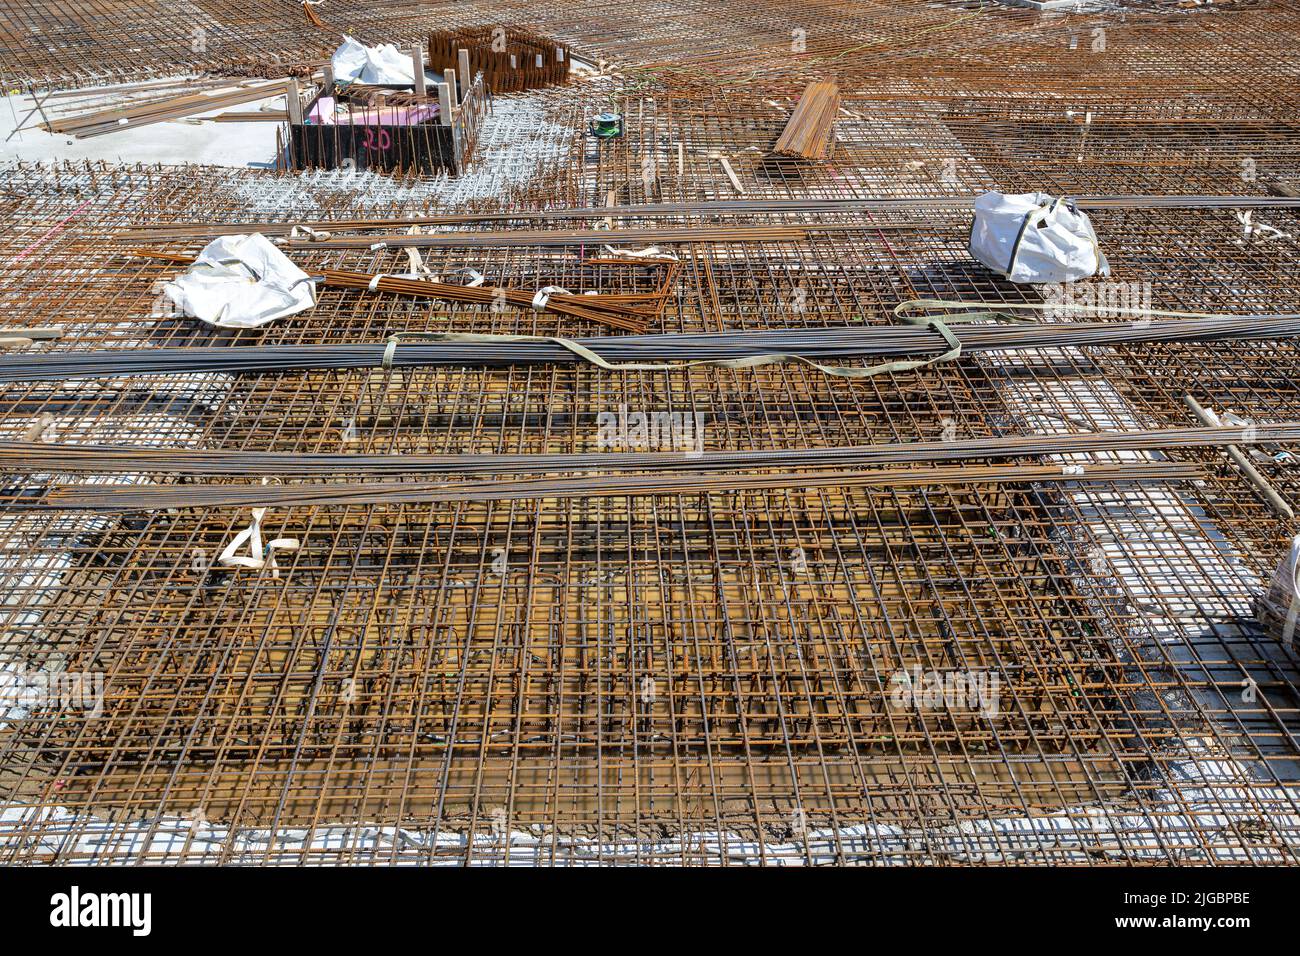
(573, 237)
(100, 122)
(614, 311)
(810, 131)
(154, 497)
(814, 345)
(595, 308)
(57, 458)
(711, 208)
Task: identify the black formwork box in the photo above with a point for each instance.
(427, 147)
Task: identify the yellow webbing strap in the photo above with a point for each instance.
(751, 361)
(911, 311)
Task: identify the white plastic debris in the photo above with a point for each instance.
(241, 282)
(1032, 237)
(354, 61)
(259, 556)
(1278, 609)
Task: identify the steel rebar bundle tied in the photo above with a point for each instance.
(810, 131)
(630, 313)
(112, 120)
(711, 208)
(34, 456)
(155, 497)
(574, 237)
(635, 352)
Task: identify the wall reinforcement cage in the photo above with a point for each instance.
(510, 61)
(389, 130)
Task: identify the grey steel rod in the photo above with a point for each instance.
(1262, 485)
(711, 208)
(19, 457)
(820, 345)
(153, 497)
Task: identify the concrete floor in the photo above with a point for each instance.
(190, 140)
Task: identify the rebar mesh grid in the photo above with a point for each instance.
(694, 678)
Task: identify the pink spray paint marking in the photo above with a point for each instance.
(52, 231)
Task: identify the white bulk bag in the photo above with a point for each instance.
(241, 282)
(1032, 237)
(354, 61)
(1278, 608)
